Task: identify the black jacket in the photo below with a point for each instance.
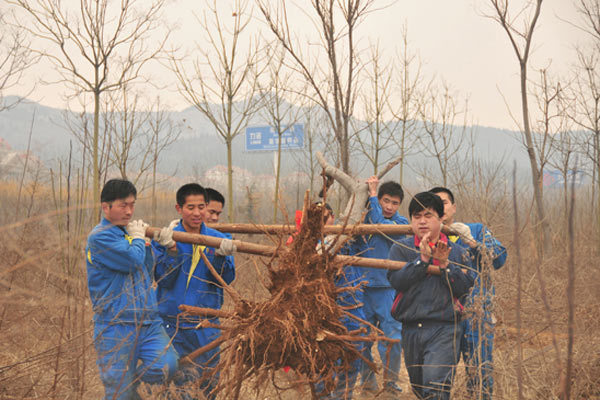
(423, 297)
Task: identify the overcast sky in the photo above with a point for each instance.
(453, 39)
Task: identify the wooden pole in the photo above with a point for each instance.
(360, 229)
(270, 251)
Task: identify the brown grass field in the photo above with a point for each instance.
(46, 349)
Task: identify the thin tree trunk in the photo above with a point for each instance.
(519, 289)
(597, 186)
(543, 227)
(95, 164)
(277, 175)
(229, 181)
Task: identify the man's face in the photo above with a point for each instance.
(119, 212)
(389, 205)
(449, 208)
(192, 212)
(425, 221)
(213, 211)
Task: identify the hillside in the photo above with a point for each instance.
(200, 148)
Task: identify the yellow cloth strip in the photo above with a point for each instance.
(195, 260)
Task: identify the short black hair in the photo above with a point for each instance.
(214, 195)
(441, 189)
(424, 200)
(187, 190)
(116, 189)
(326, 205)
(392, 189)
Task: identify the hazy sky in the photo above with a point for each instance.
(453, 39)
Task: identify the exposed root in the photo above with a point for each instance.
(300, 325)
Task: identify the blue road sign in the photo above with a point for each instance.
(265, 138)
(555, 178)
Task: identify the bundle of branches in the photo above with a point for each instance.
(298, 326)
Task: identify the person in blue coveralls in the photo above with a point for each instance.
(478, 338)
(214, 206)
(183, 278)
(349, 277)
(427, 304)
(129, 338)
(378, 295)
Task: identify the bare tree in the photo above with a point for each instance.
(377, 134)
(163, 133)
(316, 130)
(549, 126)
(334, 87)
(590, 12)
(81, 125)
(95, 48)
(127, 125)
(410, 86)
(519, 27)
(138, 135)
(15, 57)
(443, 136)
(585, 92)
(281, 105)
(222, 83)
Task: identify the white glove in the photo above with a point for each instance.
(164, 237)
(326, 244)
(463, 230)
(174, 223)
(227, 248)
(137, 229)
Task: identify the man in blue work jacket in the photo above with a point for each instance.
(215, 203)
(428, 303)
(183, 278)
(127, 327)
(478, 338)
(378, 294)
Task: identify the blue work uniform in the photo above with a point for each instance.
(379, 296)
(185, 279)
(427, 305)
(127, 327)
(478, 338)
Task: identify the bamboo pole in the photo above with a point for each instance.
(269, 251)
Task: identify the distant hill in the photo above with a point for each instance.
(200, 148)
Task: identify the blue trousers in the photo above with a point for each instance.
(377, 306)
(477, 347)
(186, 341)
(431, 352)
(121, 347)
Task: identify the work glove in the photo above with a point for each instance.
(137, 229)
(463, 230)
(164, 237)
(174, 223)
(326, 244)
(227, 248)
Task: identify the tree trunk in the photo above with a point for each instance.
(543, 227)
(597, 173)
(277, 174)
(229, 181)
(95, 164)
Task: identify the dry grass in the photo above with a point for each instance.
(45, 315)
